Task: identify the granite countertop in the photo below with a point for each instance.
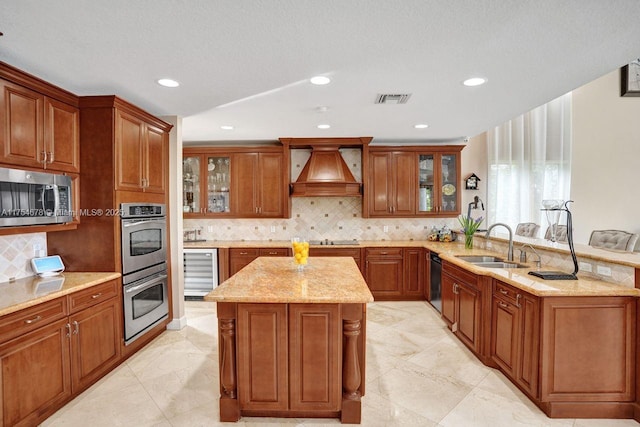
(630, 259)
(276, 280)
(518, 278)
(30, 291)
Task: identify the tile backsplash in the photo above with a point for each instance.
(334, 218)
(16, 252)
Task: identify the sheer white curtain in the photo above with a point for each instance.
(529, 161)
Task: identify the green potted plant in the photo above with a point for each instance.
(469, 227)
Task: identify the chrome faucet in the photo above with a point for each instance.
(510, 252)
(523, 255)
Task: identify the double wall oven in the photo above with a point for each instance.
(144, 267)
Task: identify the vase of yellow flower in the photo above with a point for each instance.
(469, 227)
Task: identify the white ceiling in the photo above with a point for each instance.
(247, 63)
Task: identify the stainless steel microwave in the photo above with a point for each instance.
(34, 198)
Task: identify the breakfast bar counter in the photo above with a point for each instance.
(292, 343)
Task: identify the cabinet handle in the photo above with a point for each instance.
(77, 328)
(68, 326)
(503, 292)
(44, 158)
(273, 253)
(244, 253)
(503, 305)
(455, 288)
(50, 157)
(384, 253)
(98, 295)
(35, 319)
(518, 300)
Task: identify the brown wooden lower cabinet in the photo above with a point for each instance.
(395, 273)
(573, 356)
(64, 346)
(515, 335)
(35, 374)
(292, 360)
(462, 305)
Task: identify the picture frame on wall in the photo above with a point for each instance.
(630, 79)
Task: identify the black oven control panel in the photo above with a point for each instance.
(140, 210)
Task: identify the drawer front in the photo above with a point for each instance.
(29, 319)
(460, 274)
(244, 252)
(352, 252)
(505, 292)
(93, 295)
(384, 252)
(274, 252)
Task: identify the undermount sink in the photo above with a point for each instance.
(500, 264)
(488, 261)
(478, 258)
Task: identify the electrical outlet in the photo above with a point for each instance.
(603, 271)
(37, 249)
(210, 228)
(385, 228)
(273, 228)
(585, 266)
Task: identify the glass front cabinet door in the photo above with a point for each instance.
(438, 183)
(206, 180)
(191, 200)
(218, 184)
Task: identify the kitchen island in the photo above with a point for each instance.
(292, 343)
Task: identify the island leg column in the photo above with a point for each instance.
(352, 368)
(229, 405)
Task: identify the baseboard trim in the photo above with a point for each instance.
(177, 324)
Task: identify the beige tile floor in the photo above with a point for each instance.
(418, 374)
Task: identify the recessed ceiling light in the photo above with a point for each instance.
(421, 126)
(324, 126)
(320, 80)
(226, 127)
(168, 83)
(474, 81)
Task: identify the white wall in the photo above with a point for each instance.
(474, 160)
(175, 222)
(605, 158)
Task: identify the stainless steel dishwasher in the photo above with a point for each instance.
(200, 271)
(435, 293)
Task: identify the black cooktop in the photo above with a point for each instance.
(327, 242)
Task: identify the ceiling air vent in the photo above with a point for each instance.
(392, 98)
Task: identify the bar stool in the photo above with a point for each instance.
(527, 229)
(561, 233)
(613, 239)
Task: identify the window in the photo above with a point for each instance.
(529, 161)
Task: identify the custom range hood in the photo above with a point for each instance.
(326, 173)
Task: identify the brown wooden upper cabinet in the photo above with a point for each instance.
(236, 182)
(141, 150)
(129, 146)
(412, 181)
(37, 129)
(257, 183)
